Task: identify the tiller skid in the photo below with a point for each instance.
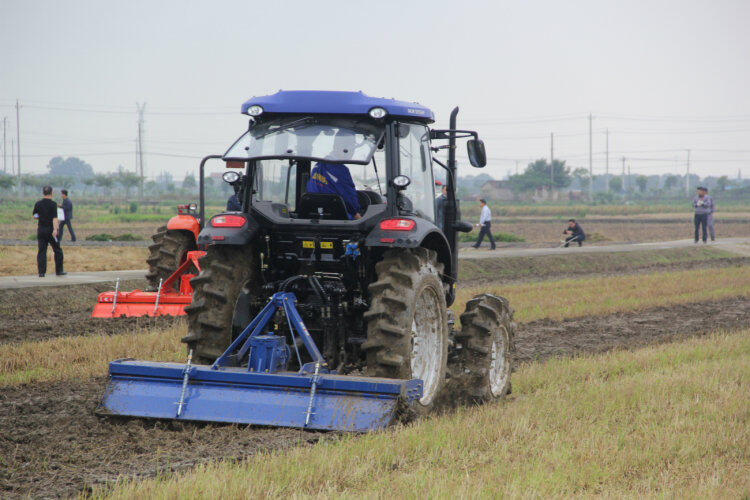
(163, 302)
(249, 384)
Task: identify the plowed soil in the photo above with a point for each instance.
(41, 313)
(53, 445)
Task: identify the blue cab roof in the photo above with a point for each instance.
(336, 102)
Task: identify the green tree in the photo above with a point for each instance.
(189, 182)
(615, 185)
(127, 180)
(582, 175)
(70, 167)
(722, 183)
(671, 182)
(104, 181)
(642, 182)
(537, 175)
(7, 181)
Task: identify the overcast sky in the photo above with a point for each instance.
(662, 76)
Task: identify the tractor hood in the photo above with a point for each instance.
(337, 103)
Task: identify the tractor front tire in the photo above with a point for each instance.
(480, 365)
(168, 251)
(226, 271)
(407, 323)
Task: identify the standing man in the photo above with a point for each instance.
(485, 225)
(45, 210)
(703, 205)
(710, 218)
(440, 207)
(67, 207)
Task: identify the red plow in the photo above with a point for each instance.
(169, 300)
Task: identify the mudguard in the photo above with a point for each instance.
(243, 235)
(425, 234)
(184, 223)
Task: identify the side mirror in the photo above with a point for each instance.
(462, 226)
(477, 154)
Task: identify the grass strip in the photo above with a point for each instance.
(670, 420)
(87, 356)
(21, 259)
(546, 266)
(573, 298)
(69, 358)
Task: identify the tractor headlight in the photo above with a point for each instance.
(230, 177)
(401, 181)
(255, 110)
(193, 206)
(378, 113)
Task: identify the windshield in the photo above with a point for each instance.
(318, 138)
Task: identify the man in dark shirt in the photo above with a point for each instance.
(233, 204)
(575, 233)
(67, 207)
(45, 210)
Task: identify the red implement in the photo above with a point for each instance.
(164, 302)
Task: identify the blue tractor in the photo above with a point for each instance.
(335, 276)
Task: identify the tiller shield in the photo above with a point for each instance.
(249, 384)
(164, 302)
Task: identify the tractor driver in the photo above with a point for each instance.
(335, 178)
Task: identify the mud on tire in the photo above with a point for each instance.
(226, 271)
(408, 295)
(166, 253)
(480, 364)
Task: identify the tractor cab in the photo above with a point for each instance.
(345, 167)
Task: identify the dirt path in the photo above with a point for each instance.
(40, 313)
(53, 445)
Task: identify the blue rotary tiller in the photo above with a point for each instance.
(250, 384)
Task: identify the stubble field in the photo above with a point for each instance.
(590, 346)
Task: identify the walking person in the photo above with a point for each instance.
(710, 219)
(485, 225)
(703, 205)
(575, 234)
(45, 211)
(67, 207)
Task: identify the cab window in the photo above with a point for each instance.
(416, 163)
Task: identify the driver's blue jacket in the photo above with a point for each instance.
(335, 179)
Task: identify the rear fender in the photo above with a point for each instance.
(425, 234)
(184, 223)
(243, 235)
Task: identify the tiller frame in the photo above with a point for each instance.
(164, 302)
(249, 384)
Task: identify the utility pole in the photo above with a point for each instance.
(551, 161)
(606, 168)
(591, 164)
(630, 185)
(141, 108)
(5, 146)
(18, 140)
(622, 177)
(687, 174)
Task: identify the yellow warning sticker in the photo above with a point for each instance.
(326, 245)
(308, 244)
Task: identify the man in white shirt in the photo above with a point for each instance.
(485, 225)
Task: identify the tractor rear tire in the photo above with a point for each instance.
(226, 271)
(407, 323)
(480, 366)
(168, 251)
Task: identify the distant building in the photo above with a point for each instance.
(497, 191)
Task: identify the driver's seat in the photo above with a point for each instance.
(321, 206)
